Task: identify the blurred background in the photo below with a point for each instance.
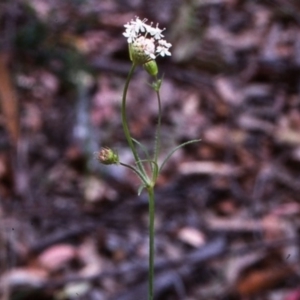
(227, 208)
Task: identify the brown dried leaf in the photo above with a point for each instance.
(96, 190)
(208, 168)
(56, 257)
(9, 101)
(233, 225)
(288, 136)
(28, 277)
(249, 122)
(88, 254)
(262, 280)
(191, 236)
(229, 93)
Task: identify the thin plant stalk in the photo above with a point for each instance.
(125, 123)
(149, 183)
(158, 128)
(151, 243)
(109, 157)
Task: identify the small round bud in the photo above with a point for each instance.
(107, 156)
(151, 67)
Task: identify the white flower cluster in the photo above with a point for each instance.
(136, 33)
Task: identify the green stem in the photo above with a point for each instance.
(125, 123)
(157, 134)
(151, 242)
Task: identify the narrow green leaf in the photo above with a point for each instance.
(174, 150)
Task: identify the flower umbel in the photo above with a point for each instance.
(145, 41)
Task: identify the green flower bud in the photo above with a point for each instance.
(107, 156)
(151, 67)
